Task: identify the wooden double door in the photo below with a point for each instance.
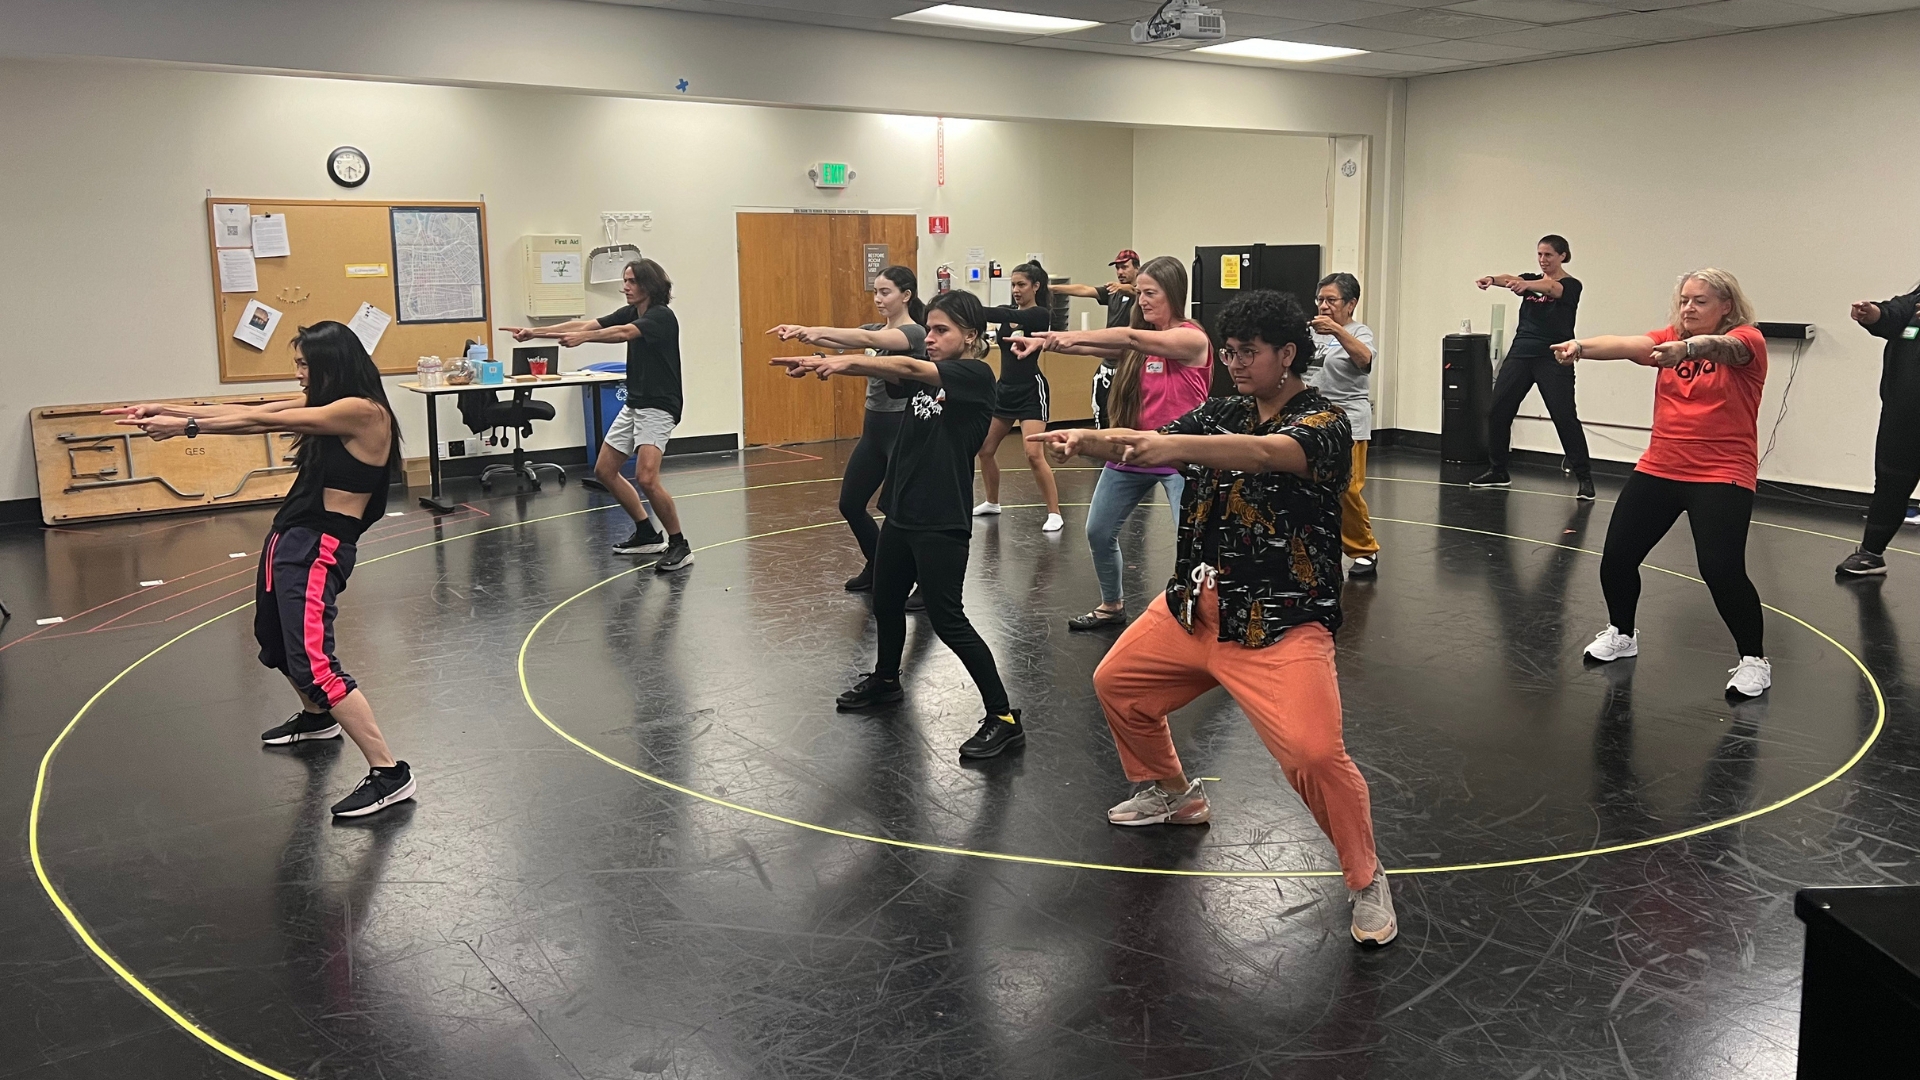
(809, 269)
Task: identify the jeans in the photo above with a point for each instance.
(1114, 497)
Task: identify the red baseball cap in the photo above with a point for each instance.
(1127, 255)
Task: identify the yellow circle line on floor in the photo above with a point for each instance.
(35, 811)
(1072, 864)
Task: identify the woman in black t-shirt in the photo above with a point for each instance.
(950, 398)
(1020, 399)
(1548, 302)
(896, 294)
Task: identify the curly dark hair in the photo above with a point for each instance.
(1273, 317)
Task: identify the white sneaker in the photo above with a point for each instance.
(986, 508)
(1054, 523)
(1611, 644)
(1751, 676)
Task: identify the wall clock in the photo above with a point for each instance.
(348, 166)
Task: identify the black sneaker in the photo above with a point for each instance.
(871, 690)
(994, 736)
(1586, 493)
(1365, 566)
(300, 727)
(646, 540)
(1492, 478)
(916, 602)
(678, 557)
(1862, 563)
(381, 789)
(862, 581)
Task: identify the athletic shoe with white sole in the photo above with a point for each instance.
(381, 789)
(1150, 804)
(1373, 919)
(646, 540)
(1365, 566)
(1586, 492)
(1751, 676)
(678, 556)
(986, 508)
(1611, 644)
(1862, 563)
(1054, 523)
(1491, 478)
(300, 727)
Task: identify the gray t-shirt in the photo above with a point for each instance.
(878, 400)
(1342, 381)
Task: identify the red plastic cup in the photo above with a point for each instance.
(537, 365)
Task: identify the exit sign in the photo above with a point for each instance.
(939, 226)
(830, 174)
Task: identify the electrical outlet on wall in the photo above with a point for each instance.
(454, 448)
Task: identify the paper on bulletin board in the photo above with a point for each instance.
(257, 323)
(368, 324)
(366, 269)
(270, 236)
(1230, 271)
(232, 227)
(236, 270)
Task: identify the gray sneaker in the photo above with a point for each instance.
(1150, 805)
(1373, 921)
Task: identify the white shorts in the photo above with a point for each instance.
(635, 428)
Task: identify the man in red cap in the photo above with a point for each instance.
(1117, 297)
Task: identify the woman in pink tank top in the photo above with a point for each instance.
(1165, 369)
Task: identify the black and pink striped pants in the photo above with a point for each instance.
(302, 570)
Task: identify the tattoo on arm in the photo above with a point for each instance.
(1722, 349)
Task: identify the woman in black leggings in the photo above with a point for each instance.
(1703, 461)
(901, 332)
(1896, 450)
(1548, 302)
(950, 401)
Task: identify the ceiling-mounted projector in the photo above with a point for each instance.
(1181, 20)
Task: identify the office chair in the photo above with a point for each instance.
(518, 414)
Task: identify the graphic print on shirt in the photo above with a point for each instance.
(927, 406)
(1693, 369)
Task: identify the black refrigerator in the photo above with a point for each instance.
(1287, 268)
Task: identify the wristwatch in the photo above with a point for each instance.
(193, 428)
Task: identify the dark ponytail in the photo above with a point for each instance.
(904, 280)
(1037, 274)
(338, 367)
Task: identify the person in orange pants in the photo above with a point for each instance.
(1255, 597)
(1342, 369)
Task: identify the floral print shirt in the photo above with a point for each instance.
(1270, 541)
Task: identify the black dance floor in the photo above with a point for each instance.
(645, 845)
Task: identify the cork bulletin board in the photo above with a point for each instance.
(341, 254)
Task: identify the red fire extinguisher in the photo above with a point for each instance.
(945, 277)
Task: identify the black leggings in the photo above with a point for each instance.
(1896, 469)
(1718, 515)
(1519, 373)
(938, 560)
(866, 471)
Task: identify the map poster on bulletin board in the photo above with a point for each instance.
(439, 267)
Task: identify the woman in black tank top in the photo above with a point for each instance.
(349, 445)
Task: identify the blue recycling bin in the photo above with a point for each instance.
(613, 398)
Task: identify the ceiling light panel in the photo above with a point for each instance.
(963, 17)
(1297, 52)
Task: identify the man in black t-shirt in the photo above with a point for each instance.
(654, 401)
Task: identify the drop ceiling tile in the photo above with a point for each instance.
(1241, 25)
(1102, 11)
(1531, 11)
(1558, 39)
(1752, 14)
(1439, 23)
(1075, 43)
(1313, 11)
(1475, 51)
(1637, 26)
(1862, 7)
(1404, 63)
(1604, 6)
(1359, 37)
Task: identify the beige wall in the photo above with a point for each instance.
(1196, 188)
(1784, 156)
(111, 162)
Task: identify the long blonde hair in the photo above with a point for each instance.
(1726, 286)
(1123, 397)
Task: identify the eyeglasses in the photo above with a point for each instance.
(1238, 357)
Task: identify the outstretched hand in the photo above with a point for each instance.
(1147, 449)
(799, 367)
(1865, 312)
(1029, 344)
(158, 428)
(1668, 353)
(1567, 351)
(522, 333)
(787, 331)
(1483, 282)
(132, 412)
(1061, 446)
